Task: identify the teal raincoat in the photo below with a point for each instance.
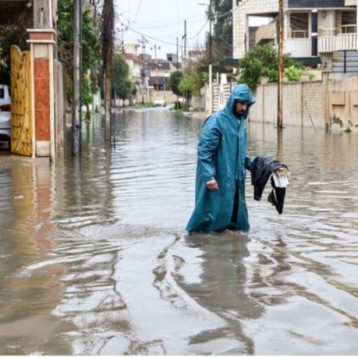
(222, 156)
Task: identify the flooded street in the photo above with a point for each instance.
(95, 259)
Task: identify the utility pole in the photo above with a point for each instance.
(77, 61)
(107, 47)
(122, 51)
(184, 57)
(210, 63)
(143, 41)
(210, 35)
(280, 67)
(177, 53)
(210, 17)
(155, 47)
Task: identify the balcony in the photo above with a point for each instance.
(337, 39)
(298, 43)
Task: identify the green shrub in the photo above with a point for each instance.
(262, 61)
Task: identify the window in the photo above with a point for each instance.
(299, 25)
(348, 21)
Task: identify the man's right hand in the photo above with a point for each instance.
(212, 184)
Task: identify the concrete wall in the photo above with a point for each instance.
(343, 101)
(303, 104)
(330, 102)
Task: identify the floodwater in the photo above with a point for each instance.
(95, 259)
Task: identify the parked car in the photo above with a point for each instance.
(5, 115)
(159, 101)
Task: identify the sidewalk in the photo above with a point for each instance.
(195, 115)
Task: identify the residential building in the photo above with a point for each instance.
(36, 87)
(160, 71)
(321, 31)
(150, 75)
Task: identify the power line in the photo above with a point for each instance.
(159, 27)
(224, 14)
(198, 33)
(138, 8)
(220, 36)
(170, 23)
(151, 37)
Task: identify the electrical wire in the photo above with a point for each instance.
(230, 12)
(227, 44)
(138, 8)
(224, 14)
(198, 33)
(151, 37)
(159, 27)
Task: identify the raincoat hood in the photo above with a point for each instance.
(240, 93)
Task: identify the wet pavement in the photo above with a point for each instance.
(95, 259)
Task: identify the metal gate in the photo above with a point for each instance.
(21, 98)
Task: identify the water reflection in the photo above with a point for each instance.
(28, 288)
(94, 254)
(315, 240)
(220, 284)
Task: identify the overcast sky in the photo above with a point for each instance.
(162, 22)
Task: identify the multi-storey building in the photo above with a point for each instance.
(149, 74)
(325, 30)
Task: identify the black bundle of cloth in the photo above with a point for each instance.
(262, 169)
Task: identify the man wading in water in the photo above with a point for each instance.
(220, 202)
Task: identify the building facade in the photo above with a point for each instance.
(150, 75)
(35, 108)
(323, 29)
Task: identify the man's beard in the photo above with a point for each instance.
(238, 114)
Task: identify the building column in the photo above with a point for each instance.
(42, 42)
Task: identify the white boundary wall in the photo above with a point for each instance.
(331, 102)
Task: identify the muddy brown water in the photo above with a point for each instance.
(95, 259)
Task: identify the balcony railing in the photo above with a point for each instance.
(332, 31)
(337, 39)
(298, 34)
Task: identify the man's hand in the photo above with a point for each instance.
(212, 184)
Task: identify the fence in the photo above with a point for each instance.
(331, 101)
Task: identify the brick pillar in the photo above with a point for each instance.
(42, 43)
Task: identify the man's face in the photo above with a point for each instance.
(240, 107)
